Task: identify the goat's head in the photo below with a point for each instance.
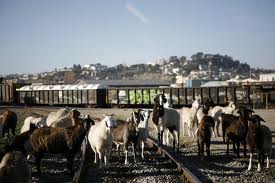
(160, 99)
(110, 121)
(254, 122)
(244, 112)
(134, 117)
(144, 114)
(195, 104)
(87, 122)
(75, 113)
(39, 122)
(208, 102)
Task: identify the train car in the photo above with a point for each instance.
(55, 95)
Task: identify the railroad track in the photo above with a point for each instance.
(119, 171)
(86, 172)
(187, 175)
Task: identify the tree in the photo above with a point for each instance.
(173, 59)
(198, 56)
(183, 59)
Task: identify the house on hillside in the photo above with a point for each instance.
(128, 83)
(267, 77)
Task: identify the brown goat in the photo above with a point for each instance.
(60, 141)
(14, 168)
(20, 142)
(237, 130)
(9, 121)
(259, 137)
(126, 133)
(204, 135)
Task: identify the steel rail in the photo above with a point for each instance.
(187, 174)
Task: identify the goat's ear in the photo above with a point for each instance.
(238, 111)
(141, 117)
(249, 110)
(260, 118)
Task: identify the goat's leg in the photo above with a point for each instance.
(161, 137)
(234, 148)
(223, 135)
(199, 149)
(238, 149)
(118, 150)
(142, 149)
(134, 151)
(259, 161)
(244, 148)
(202, 149)
(177, 139)
(208, 149)
(213, 131)
(100, 155)
(38, 158)
(126, 154)
(95, 158)
(70, 159)
(250, 161)
(217, 127)
(227, 148)
(262, 159)
(267, 160)
(13, 131)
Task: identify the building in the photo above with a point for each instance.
(267, 77)
(128, 83)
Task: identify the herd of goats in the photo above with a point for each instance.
(63, 132)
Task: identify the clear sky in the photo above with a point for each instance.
(40, 35)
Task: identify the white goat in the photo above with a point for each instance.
(166, 118)
(217, 111)
(14, 168)
(189, 118)
(143, 128)
(53, 116)
(100, 138)
(38, 122)
(66, 121)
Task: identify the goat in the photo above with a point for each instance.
(218, 110)
(166, 118)
(38, 122)
(14, 168)
(143, 128)
(237, 130)
(202, 111)
(20, 142)
(53, 116)
(101, 139)
(259, 136)
(66, 120)
(226, 119)
(126, 133)
(204, 135)
(9, 121)
(189, 118)
(59, 141)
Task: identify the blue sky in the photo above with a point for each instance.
(40, 35)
